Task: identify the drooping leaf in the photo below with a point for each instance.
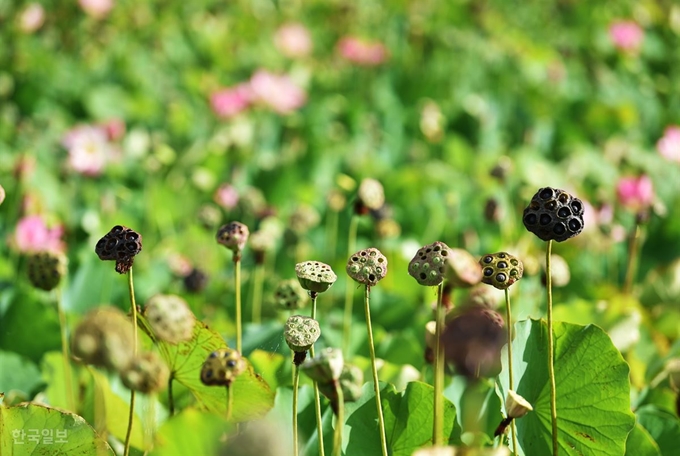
(35, 424)
(662, 426)
(593, 392)
(641, 443)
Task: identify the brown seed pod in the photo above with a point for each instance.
(121, 244)
(501, 269)
(367, 266)
(170, 318)
(222, 367)
(46, 269)
(146, 373)
(428, 267)
(233, 236)
(554, 214)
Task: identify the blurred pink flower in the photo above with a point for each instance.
(2, 194)
(362, 52)
(293, 40)
(626, 35)
(635, 193)
(230, 101)
(31, 18)
(669, 144)
(277, 91)
(96, 8)
(32, 235)
(114, 129)
(88, 149)
(226, 196)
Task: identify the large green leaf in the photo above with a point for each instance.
(34, 425)
(593, 392)
(179, 435)
(18, 373)
(408, 420)
(640, 443)
(663, 427)
(52, 368)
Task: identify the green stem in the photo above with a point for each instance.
(374, 368)
(258, 280)
(296, 381)
(633, 249)
(133, 306)
(171, 399)
(551, 350)
(68, 377)
(230, 401)
(237, 284)
(331, 233)
(340, 421)
(511, 385)
(438, 419)
(349, 291)
(317, 396)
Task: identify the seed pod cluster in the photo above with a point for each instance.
(222, 367)
(501, 270)
(170, 318)
(315, 276)
(46, 269)
(121, 244)
(554, 214)
(146, 373)
(428, 267)
(367, 266)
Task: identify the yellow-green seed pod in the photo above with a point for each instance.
(501, 270)
(315, 276)
(222, 367)
(301, 332)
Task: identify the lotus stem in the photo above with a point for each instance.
(551, 350)
(633, 249)
(296, 381)
(133, 305)
(340, 420)
(438, 419)
(68, 377)
(258, 279)
(508, 318)
(237, 283)
(349, 292)
(374, 368)
(317, 396)
(230, 401)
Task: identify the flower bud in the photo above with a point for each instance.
(516, 406)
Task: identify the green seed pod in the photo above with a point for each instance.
(170, 318)
(315, 276)
(121, 244)
(367, 266)
(428, 267)
(554, 214)
(289, 295)
(371, 194)
(222, 367)
(462, 269)
(301, 332)
(516, 406)
(45, 269)
(501, 270)
(146, 373)
(233, 236)
(325, 367)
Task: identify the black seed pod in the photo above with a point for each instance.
(501, 269)
(45, 269)
(554, 214)
(195, 281)
(121, 244)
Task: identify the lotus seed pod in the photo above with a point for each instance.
(673, 369)
(121, 244)
(233, 236)
(436, 451)
(222, 367)
(554, 214)
(301, 332)
(501, 270)
(428, 267)
(481, 295)
(370, 195)
(170, 318)
(560, 271)
(462, 269)
(516, 406)
(351, 381)
(104, 338)
(492, 211)
(146, 373)
(45, 269)
(195, 281)
(209, 216)
(315, 276)
(325, 367)
(289, 295)
(262, 241)
(336, 200)
(387, 228)
(472, 342)
(303, 219)
(367, 266)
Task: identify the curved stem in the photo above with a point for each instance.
(237, 284)
(376, 385)
(551, 350)
(68, 377)
(438, 419)
(258, 279)
(349, 292)
(230, 401)
(317, 396)
(511, 385)
(296, 380)
(340, 420)
(633, 248)
(133, 306)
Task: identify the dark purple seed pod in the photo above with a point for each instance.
(554, 214)
(501, 269)
(121, 244)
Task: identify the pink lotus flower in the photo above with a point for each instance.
(669, 144)
(33, 235)
(88, 149)
(635, 193)
(2, 194)
(362, 52)
(226, 196)
(114, 129)
(31, 18)
(96, 8)
(277, 92)
(293, 40)
(626, 36)
(230, 101)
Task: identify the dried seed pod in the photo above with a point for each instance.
(170, 318)
(315, 276)
(501, 270)
(462, 269)
(367, 266)
(289, 295)
(428, 267)
(222, 367)
(233, 236)
(195, 281)
(481, 295)
(104, 338)
(303, 219)
(146, 373)
(301, 332)
(325, 368)
(516, 406)
(554, 214)
(370, 196)
(121, 244)
(351, 381)
(46, 269)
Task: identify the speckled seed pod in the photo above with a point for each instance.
(501, 270)
(371, 194)
(222, 367)
(554, 214)
(233, 236)
(195, 281)
(428, 267)
(104, 338)
(146, 373)
(367, 266)
(462, 269)
(325, 367)
(170, 318)
(315, 276)
(289, 295)
(45, 269)
(301, 332)
(121, 244)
